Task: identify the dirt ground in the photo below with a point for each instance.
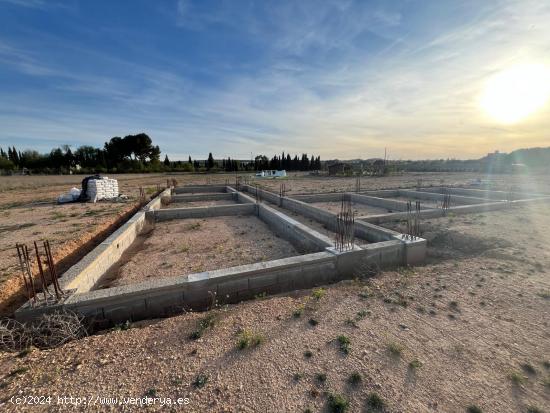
(188, 246)
(298, 183)
(468, 328)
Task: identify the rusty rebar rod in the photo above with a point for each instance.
(53, 271)
(45, 289)
(28, 268)
(24, 271)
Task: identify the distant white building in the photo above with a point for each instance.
(271, 174)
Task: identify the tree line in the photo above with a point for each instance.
(129, 154)
(260, 162)
(136, 153)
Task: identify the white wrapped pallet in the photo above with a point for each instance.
(103, 188)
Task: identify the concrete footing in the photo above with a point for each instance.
(321, 264)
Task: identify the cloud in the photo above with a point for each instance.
(340, 79)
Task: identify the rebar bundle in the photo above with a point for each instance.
(358, 184)
(238, 182)
(413, 221)
(446, 201)
(345, 225)
(258, 195)
(28, 278)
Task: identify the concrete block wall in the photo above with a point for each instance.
(203, 197)
(84, 275)
(263, 194)
(302, 237)
(163, 297)
(202, 212)
(455, 199)
(391, 204)
(199, 189)
(484, 193)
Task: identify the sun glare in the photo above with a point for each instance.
(515, 93)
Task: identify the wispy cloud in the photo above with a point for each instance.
(343, 79)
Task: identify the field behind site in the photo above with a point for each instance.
(468, 328)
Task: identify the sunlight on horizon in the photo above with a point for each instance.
(515, 93)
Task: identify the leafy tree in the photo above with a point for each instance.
(210, 162)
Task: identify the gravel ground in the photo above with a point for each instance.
(470, 327)
(186, 246)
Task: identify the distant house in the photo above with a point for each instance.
(271, 174)
(339, 168)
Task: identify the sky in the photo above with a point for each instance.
(338, 78)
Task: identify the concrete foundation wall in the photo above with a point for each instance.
(483, 193)
(86, 273)
(382, 193)
(263, 194)
(390, 204)
(202, 212)
(327, 197)
(168, 296)
(204, 197)
(455, 199)
(303, 238)
(199, 189)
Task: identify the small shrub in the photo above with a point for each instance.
(298, 312)
(415, 364)
(318, 293)
(298, 376)
(395, 349)
(203, 325)
(517, 378)
(17, 371)
(361, 314)
(534, 409)
(25, 352)
(345, 343)
(151, 393)
(321, 377)
(355, 378)
(528, 368)
(364, 295)
(313, 322)
(545, 294)
(474, 409)
(308, 354)
(200, 381)
(248, 338)
(337, 403)
(546, 364)
(375, 403)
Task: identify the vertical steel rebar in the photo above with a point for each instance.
(28, 268)
(45, 289)
(23, 271)
(53, 271)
